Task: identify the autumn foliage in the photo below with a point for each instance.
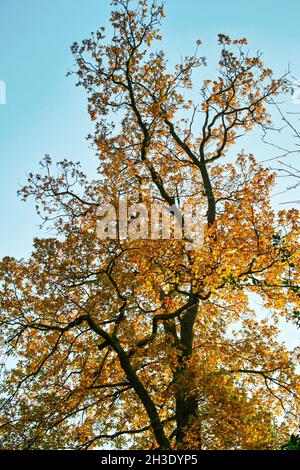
(145, 343)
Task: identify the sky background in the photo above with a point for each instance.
(46, 113)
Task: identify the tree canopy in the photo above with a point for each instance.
(147, 343)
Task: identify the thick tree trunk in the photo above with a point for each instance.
(186, 400)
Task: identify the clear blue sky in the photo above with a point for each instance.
(45, 113)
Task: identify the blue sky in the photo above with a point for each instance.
(46, 113)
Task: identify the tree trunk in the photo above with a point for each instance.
(186, 400)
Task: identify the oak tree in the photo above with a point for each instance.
(141, 343)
